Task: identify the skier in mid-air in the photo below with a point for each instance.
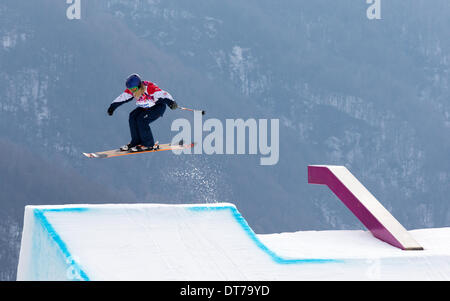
(151, 104)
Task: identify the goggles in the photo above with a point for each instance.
(134, 89)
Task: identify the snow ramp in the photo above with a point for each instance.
(188, 242)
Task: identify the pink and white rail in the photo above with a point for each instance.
(363, 205)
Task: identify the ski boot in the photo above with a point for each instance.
(142, 148)
(126, 148)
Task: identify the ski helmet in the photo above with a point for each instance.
(134, 80)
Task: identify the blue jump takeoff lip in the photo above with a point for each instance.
(242, 222)
(40, 216)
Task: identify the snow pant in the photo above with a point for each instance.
(140, 119)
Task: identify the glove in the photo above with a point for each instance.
(110, 111)
(173, 105)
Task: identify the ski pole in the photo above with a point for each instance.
(192, 110)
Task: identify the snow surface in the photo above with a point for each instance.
(208, 242)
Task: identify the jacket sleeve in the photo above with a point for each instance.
(166, 101)
(163, 97)
(120, 100)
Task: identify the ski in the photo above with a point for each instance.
(117, 152)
